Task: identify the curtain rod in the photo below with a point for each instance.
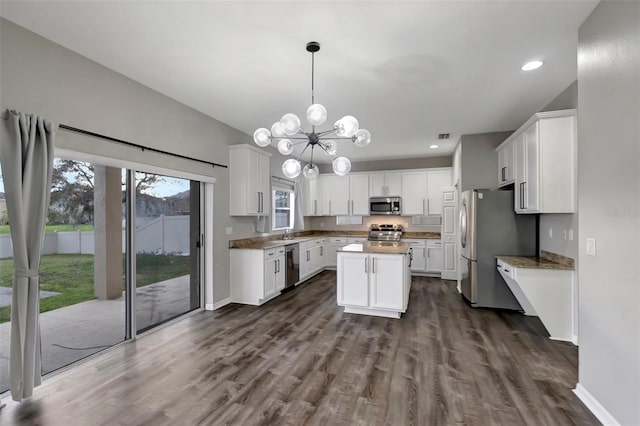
(135, 145)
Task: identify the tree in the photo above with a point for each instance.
(72, 191)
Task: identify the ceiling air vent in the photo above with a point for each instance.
(443, 136)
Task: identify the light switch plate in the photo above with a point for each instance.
(591, 246)
(570, 234)
(550, 232)
(229, 230)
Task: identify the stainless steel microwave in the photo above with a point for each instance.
(385, 206)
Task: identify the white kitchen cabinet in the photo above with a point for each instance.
(414, 193)
(359, 195)
(256, 275)
(312, 197)
(312, 257)
(434, 256)
(436, 181)
(335, 195)
(385, 184)
(506, 164)
(374, 284)
(249, 181)
(545, 163)
(417, 254)
(449, 233)
(332, 246)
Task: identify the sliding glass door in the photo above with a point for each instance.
(167, 241)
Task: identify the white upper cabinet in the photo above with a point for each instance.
(249, 181)
(437, 180)
(312, 197)
(335, 195)
(359, 195)
(414, 193)
(545, 163)
(506, 164)
(385, 184)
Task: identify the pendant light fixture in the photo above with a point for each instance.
(287, 134)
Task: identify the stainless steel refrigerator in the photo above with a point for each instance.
(490, 227)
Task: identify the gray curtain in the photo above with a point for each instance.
(298, 218)
(26, 152)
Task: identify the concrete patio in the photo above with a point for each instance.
(77, 331)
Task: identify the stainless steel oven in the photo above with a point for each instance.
(385, 206)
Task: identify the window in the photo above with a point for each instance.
(283, 208)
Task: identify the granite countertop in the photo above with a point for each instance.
(265, 243)
(377, 247)
(534, 262)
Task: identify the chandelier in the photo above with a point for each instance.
(288, 134)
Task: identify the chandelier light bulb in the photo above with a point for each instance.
(261, 137)
(291, 168)
(363, 138)
(290, 124)
(346, 127)
(277, 130)
(316, 114)
(330, 147)
(285, 147)
(341, 166)
(310, 171)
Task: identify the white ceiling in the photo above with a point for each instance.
(406, 70)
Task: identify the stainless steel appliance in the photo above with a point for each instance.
(292, 259)
(385, 206)
(490, 227)
(385, 232)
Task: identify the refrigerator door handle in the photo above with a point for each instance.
(463, 224)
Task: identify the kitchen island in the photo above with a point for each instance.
(374, 278)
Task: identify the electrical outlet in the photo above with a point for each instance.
(321, 224)
(591, 246)
(550, 232)
(564, 234)
(570, 234)
(229, 230)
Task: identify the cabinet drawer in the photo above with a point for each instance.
(338, 240)
(434, 243)
(505, 268)
(415, 243)
(268, 254)
(280, 250)
(356, 240)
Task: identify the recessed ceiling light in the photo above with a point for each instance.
(533, 65)
(434, 146)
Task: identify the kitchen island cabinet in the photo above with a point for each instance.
(374, 278)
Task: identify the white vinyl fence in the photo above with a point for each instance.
(166, 234)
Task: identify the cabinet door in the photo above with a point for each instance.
(376, 185)
(353, 279)
(359, 194)
(264, 186)
(437, 180)
(331, 255)
(531, 183)
(393, 184)
(253, 177)
(270, 271)
(304, 263)
(387, 281)
(280, 273)
(418, 259)
(434, 259)
(310, 197)
(324, 202)
(509, 162)
(335, 195)
(521, 172)
(414, 193)
(449, 233)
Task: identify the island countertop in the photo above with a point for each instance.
(377, 247)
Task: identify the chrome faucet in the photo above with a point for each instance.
(286, 235)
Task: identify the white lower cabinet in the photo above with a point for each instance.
(262, 281)
(434, 256)
(417, 255)
(312, 257)
(373, 284)
(331, 250)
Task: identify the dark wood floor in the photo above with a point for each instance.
(300, 360)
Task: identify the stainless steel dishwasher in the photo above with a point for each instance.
(292, 259)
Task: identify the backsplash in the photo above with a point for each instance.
(328, 223)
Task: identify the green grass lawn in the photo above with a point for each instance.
(4, 229)
(71, 275)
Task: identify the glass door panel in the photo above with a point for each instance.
(167, 235)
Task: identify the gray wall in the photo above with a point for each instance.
(38, 76)
(479, 161)
(403, 164)
(609, 207)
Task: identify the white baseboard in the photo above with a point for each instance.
(595, 407)
(217, 305)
